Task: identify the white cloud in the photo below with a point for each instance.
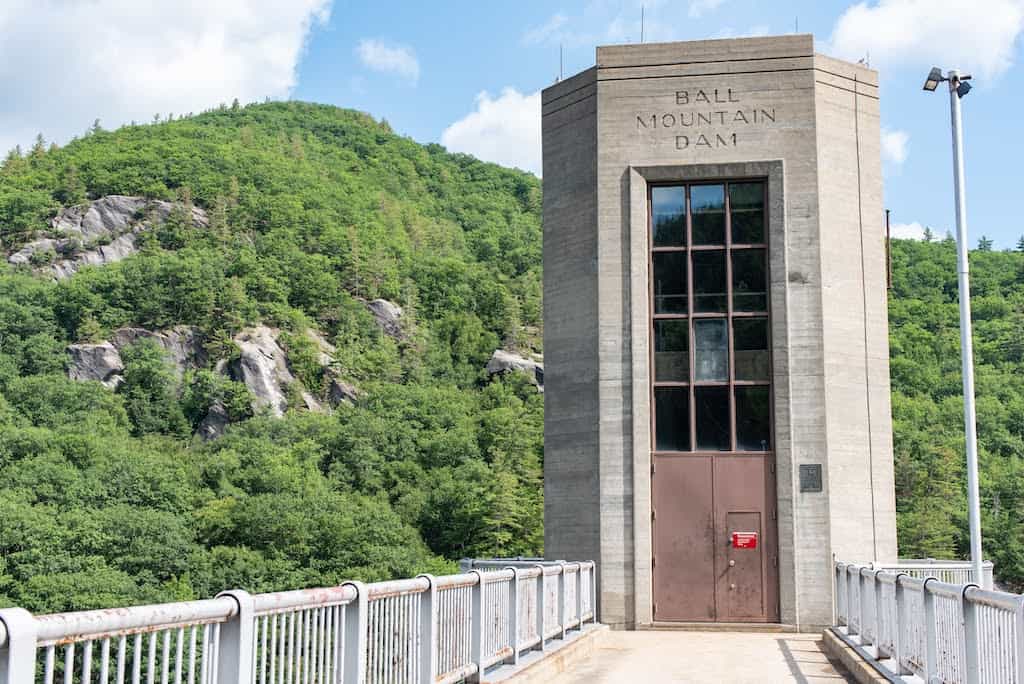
(394, 59)
(894, 145)
(965, 34)
(548, 31)
(699, 7)
(64, 64)
(504, 130)
(913, 231)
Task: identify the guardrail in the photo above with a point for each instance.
(953, 572)
(938, 631)
(430, 630)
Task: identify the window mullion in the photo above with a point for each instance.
(689, 324)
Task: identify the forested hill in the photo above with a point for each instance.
(301, 215)
(928, 409)
(325, 295)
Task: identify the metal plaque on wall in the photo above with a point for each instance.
(810, 477)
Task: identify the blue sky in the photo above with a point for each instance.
(467, 73)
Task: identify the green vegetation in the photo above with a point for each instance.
(106, 498)
(928, 406)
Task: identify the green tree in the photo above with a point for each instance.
(150, 391)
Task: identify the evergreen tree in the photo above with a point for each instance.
(1020, 244)
(928, 234)
(984, 244)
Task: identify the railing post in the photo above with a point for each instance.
(540, 608)
(18, 660)
(562, 618)
(235, 646)
(513, 616)
(476, 626)
(931, 657)
(836, 593)
(354, 648)
(593, 591)
(579, 596)
(972, 643)
(428, 632)
(1018, 619)
(902, 625)
(878, 611)
(850, 628)
(862, 627)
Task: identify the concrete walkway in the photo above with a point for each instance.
(713, 657)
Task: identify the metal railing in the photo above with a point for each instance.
(430, 630)
(953, 572)
(936, 630)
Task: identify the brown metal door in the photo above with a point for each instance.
(700, 572)
(745, 563)
(684, 557)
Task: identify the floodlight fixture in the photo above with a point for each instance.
(963, 87)
(935, 77)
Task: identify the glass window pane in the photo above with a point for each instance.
(672, 351)
(668, 216)
(750, 346)
(753, 429)
(672, 419)
(746, 210)
(711, 350)
(712, 404)
(707, 206)
(749, 280)
(709, 282)
(669, 282)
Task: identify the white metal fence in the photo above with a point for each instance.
(953, 572)
(434, 630)
(936, 630)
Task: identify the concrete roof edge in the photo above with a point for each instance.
(712, 50)
(845, 69)
(567, 85)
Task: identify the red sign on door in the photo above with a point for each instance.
(744, 540)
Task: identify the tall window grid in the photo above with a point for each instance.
(711, 363)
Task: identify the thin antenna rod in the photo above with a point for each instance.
(560, 62)
(796, 24)
(641, 23)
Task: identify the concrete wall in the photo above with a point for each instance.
(609, 131)
(572, 468)
(855, 330)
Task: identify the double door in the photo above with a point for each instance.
(714, 538)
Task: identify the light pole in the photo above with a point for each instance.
(958, 87)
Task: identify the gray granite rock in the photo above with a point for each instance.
(388, 316)
(100, 362)
(215, 422)
(263, 367)
(99, 232)
(502, 361)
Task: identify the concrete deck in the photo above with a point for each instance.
(713, 657)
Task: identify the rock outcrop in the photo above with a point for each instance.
(215, 422)
(388, 316)
(183, 344)
(103, 361)
(97, 233)
(263, 367)
(508, 362)
(100, 362)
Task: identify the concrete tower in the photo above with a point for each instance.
(717, 378)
